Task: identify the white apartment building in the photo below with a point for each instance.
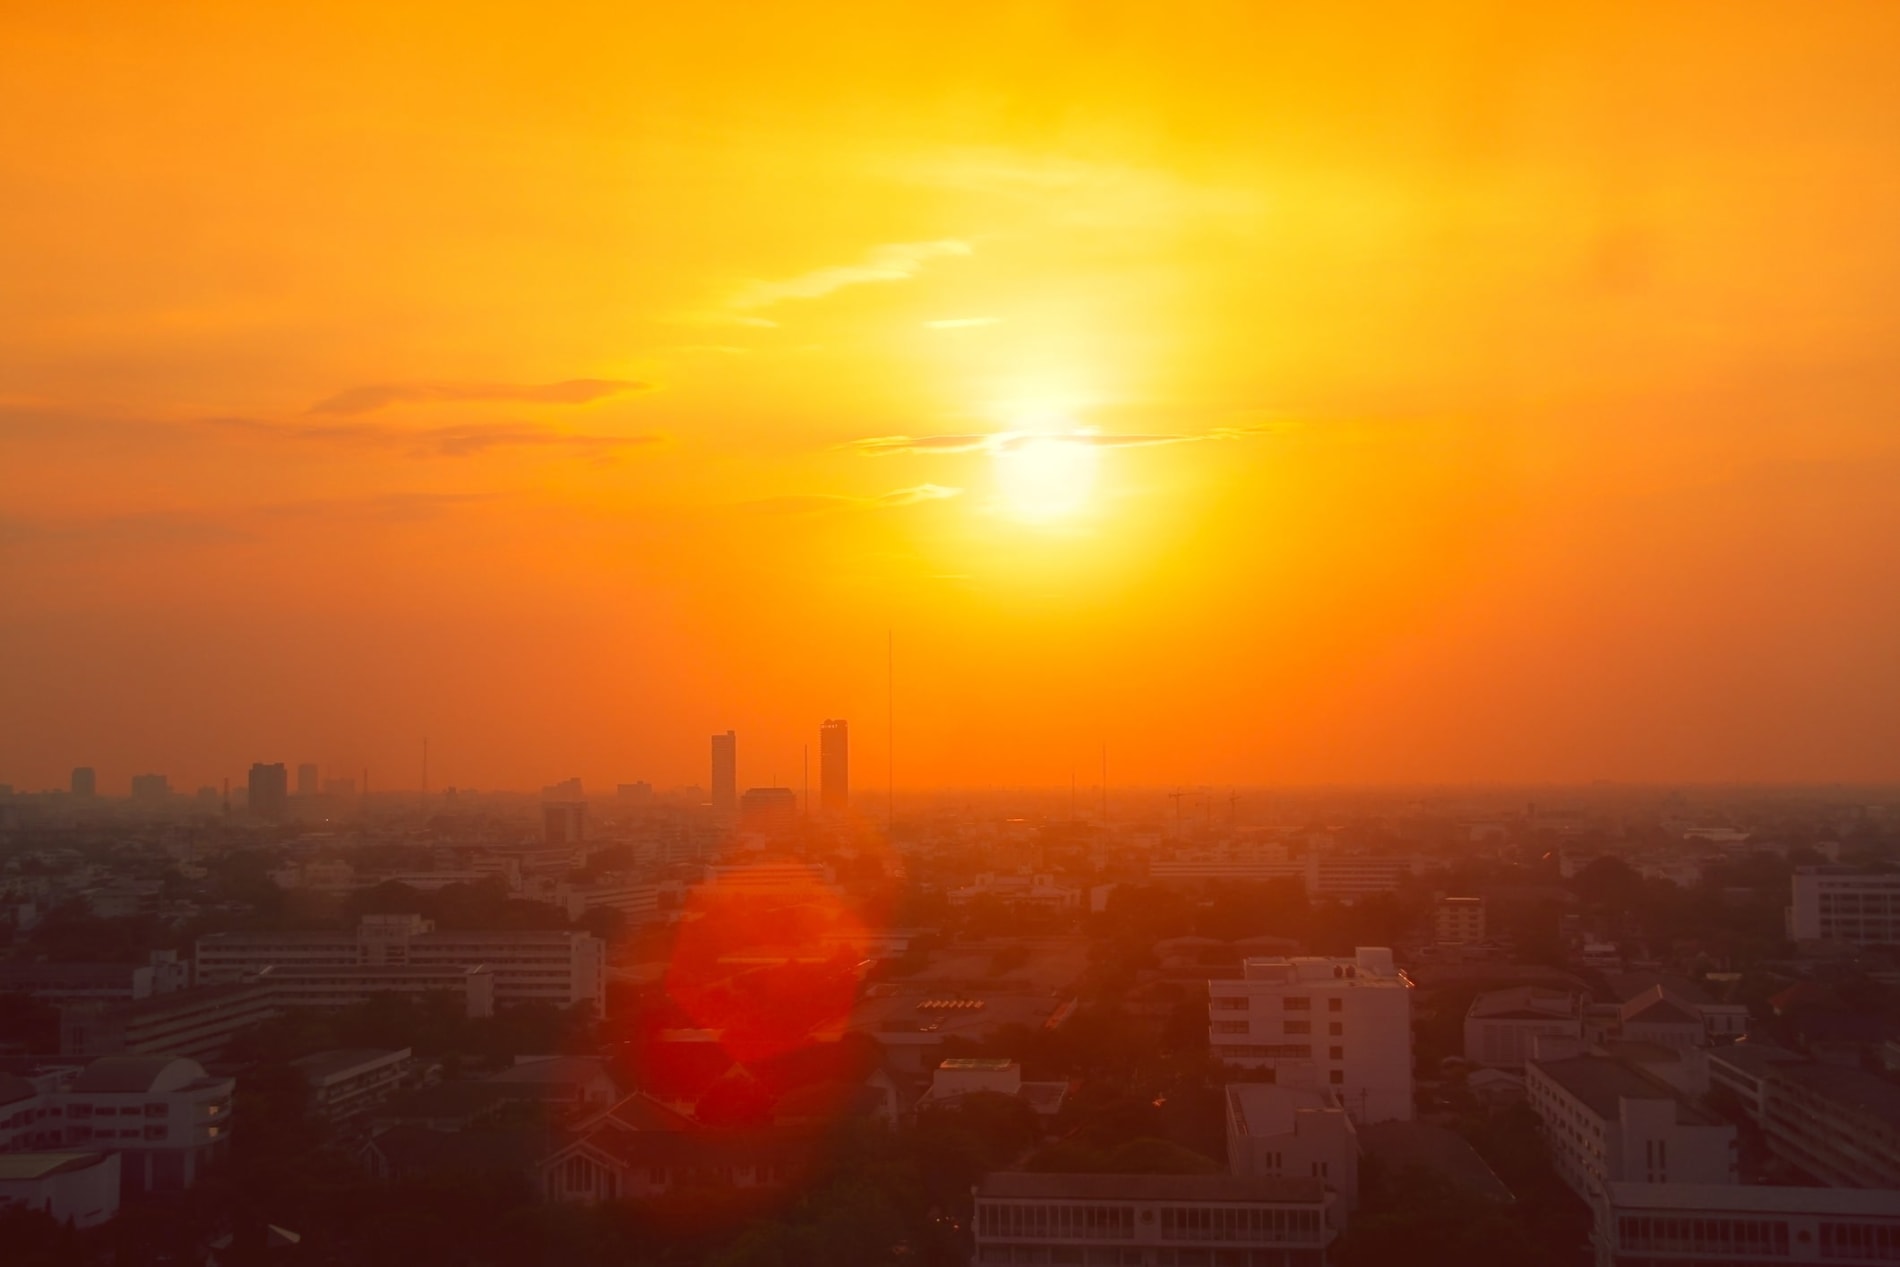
(1151, 1220)
(1502, 1026)
(1342, 1024)
(1608, 1122)
(166, 1119)
(1736, 1225)
(303, 985)
(556, 966)
(1861, 908)
(1458, 921)
(1277, 1132)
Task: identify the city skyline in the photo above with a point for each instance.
(1271, 398)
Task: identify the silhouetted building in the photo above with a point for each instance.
(635, 795)
(725, 773)
(307, 779)
(765, 806)
(150, 787)
(268, 791)
(834, 767)
(563, 813)
(85, 782)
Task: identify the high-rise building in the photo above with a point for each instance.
(834, 767)
(85, 782)
(563, 813)
(768, 806)
(725, 774)
(1861, 908)
(307, 779)
(150, 787)
(268, 791)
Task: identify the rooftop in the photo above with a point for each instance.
(1266, 1109)
(1525, 1003)
(1098, 1187)
(1436, 1148)
(322, 1065)
(1602, 1084)
(138, 1075)
(29, 1166)
(1867, 1094)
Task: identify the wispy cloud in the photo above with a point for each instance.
(895, 262)
(575, 391)
(962, 323)
(825, 503)
(454, 441)
(1002, 441)
(232, 524)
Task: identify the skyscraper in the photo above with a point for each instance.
(269, 790)
(307, 779)
(834, 767)
(85, 782)
(725, 774)
(150, 787)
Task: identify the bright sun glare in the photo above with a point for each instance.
(1042, 478)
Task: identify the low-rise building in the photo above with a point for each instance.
(1840, 1125)
(1458, 921)
(1606, 1121)
(472, 989)
(1737, 1225)
(972, 1075)
(1278, 1132)
(191, 1023)
(80, 1189)
(347, 1083)
(1152, 1220)
(1502, 1026)
(166, 1118)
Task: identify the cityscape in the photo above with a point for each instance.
(1037, 633)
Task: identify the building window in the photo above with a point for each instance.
(1335, 1005)
(1297, 1003)
(1337, 1077)
(1335, 1053)
(1335, 1029)
(1299, 1027)
(1230, 1027)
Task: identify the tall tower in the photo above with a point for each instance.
(834, 767)
(84, 782)
(268, 791)
(307, 779)
(725, 774)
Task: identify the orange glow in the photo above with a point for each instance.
(1469, 392)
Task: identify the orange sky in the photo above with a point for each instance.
(1517, 387)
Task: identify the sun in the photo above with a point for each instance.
(1040, 478)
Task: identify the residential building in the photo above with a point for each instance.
(471, 989)
(1344, 1024)
(1861, 908)
(167, 1119)
(971, 1075)
(79, 1189)
(67, 984)
(1840, 1125)
(307, 779)
(557, 966)
(1502, 1026)
(1152, 1220)
(1458, 921)
(834, 767)
(1281, 1132)
(347, 1083)
(1737, 1225)
(1606, 1121)
(563, 814)
(85, 781)
(641, 1148)
(194, 1023)
(150, 787)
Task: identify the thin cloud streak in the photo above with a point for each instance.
(895, 262)
(824, 503)
(1003, 441)
(574, 391)
(456, 441)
